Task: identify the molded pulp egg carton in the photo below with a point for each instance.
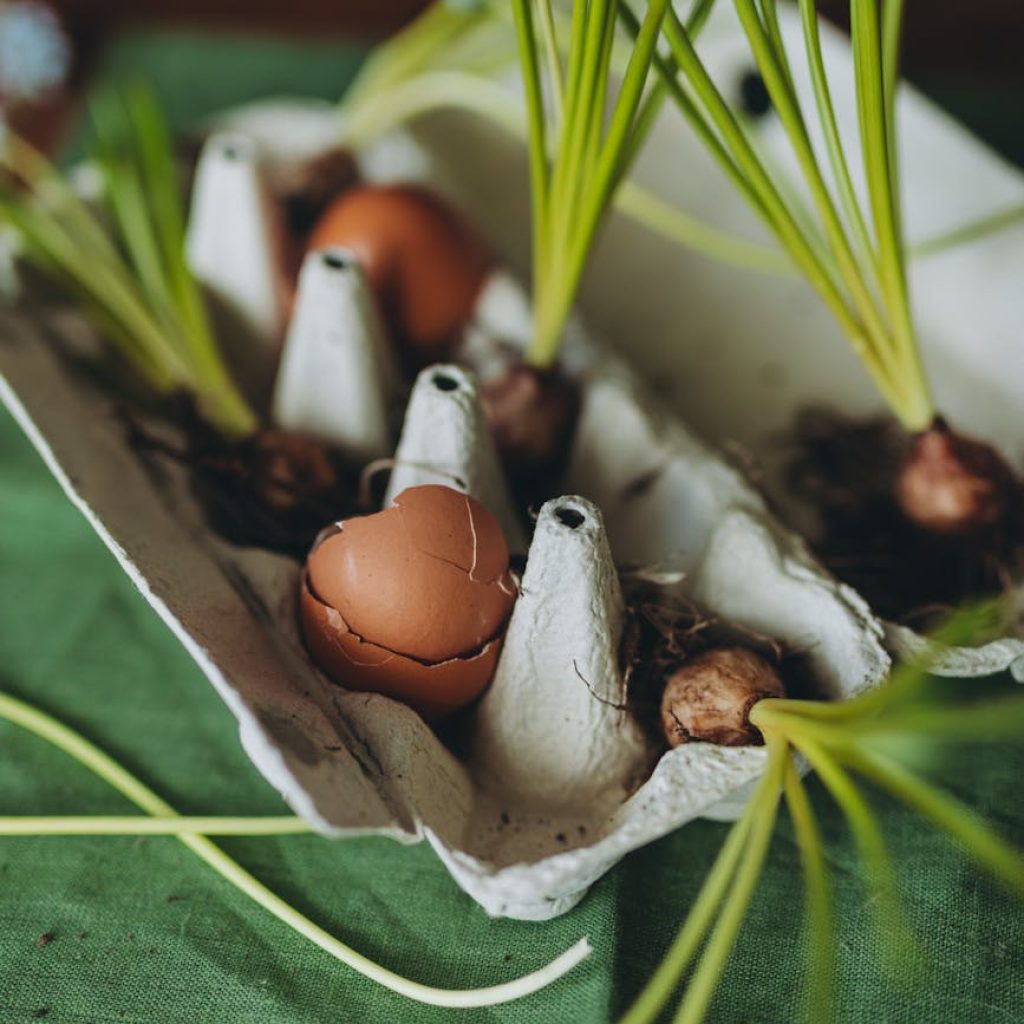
(558, 784)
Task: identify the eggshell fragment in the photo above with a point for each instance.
(411, 601)
(424, 261)
(434, 690)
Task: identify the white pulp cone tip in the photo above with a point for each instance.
(234, 237)
(445, 440)
(552, 730)
(336, 377)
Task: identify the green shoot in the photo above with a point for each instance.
(576, 166)
(190, 832)
(454, 58)
(859, 272)
(819, 916)
(127, 269)
(723, 938)
(687, 943)
(841, 742)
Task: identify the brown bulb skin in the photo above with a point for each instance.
(425, 262)
(954, 486)
(411, 602)
(709, 698)
(532, 416)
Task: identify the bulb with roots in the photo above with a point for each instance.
(709, 698)
(956, 486)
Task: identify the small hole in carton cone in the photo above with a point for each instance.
(335, 261)
(445, 383)
(569, 517)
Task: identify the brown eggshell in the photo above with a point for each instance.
(427, 578)
(423, 260)
(434, 690)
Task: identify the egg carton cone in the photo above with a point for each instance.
(234, 247)
(552, 731)
(445, 440)
(337, 378)
(356, 763)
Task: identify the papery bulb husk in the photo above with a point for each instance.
(956, 486)
(532, 414)
(709, 698)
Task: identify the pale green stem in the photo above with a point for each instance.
(571, 178)
(417, 46)
(966, 233)
(892, 32)
(712, 964)
(602, 184)
(819, 920)
(877, 135)
(755, 180)
(893, 933)
(101, 764)
(684, 947)
(830, 128)
(136, 825)
(550, 38)
(658, 93)
(539, 180)
(965, 827)
(482, 96)
(774, 69)
(669, 220)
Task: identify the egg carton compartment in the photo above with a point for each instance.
(554, 783)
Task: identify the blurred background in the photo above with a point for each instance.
(966, 54)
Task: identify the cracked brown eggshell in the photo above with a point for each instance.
(411, 602)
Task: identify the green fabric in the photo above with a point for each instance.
(143, 932)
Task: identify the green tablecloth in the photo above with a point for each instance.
(143, 932)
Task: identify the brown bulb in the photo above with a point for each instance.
(954, 485)
(709, 698)
(532, 415)
(411, 602)
(425, 262)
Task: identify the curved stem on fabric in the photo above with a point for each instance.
(77, 746)
(819, 919)
(960, 823)
(892, 930)
(723, 938)
(731, 861)
(139, 825)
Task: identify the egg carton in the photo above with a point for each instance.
(556, 783)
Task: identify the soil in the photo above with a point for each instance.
(847, 469)
(274, 489)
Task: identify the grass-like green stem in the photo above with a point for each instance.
(101, 764)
